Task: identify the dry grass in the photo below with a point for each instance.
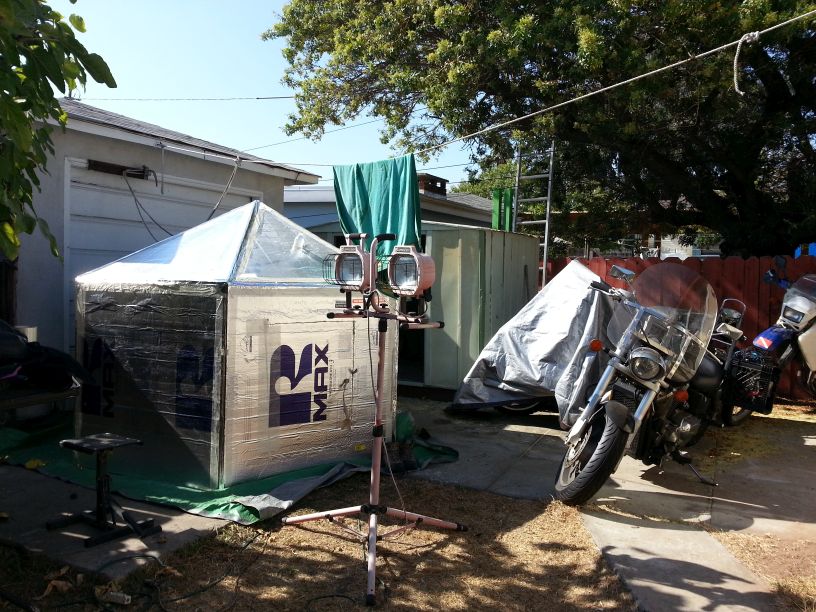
(517, 555)
(789, 566)
(759, 437)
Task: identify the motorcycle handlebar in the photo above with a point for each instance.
(600, 285)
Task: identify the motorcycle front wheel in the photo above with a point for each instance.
(587, 466)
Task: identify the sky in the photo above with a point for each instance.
(213, 49)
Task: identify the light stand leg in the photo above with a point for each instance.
(373, 509)
(376, 464)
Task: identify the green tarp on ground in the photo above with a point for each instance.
(244, 503)
(380, 197)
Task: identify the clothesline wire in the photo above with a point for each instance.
(509, 122)
(229, 99)
(639, 77)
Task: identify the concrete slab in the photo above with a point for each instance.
(772, 494)
(511, 456)
(670, 566)
(30, 499)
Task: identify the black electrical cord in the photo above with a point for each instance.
(161, 602)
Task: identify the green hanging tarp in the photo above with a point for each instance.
(379, 197)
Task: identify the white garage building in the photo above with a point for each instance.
(115, 185)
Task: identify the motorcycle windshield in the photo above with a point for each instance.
(805, 287)
(679, 319)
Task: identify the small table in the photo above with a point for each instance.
(102, 445)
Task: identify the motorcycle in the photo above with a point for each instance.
(33, 374)
(665, 381)
(792, 337)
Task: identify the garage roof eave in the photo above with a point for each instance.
(88, 119)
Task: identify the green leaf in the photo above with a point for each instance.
(25, 223)
(78, 22)
(9, 242)
(98, 69)
(71, 69)
(45, 60)
(46, 231)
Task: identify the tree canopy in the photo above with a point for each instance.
(38, 50)
(681, 149)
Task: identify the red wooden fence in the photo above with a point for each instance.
(731, 277)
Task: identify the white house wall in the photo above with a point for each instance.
(94, 218)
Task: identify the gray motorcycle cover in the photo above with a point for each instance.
(544, 350)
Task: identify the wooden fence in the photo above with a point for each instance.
(731, 277)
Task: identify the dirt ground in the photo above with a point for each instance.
(517, 555)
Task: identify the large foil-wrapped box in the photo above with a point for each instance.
(213, 347)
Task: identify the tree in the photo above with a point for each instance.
(678, 149)
(482, 181)
(38, 49)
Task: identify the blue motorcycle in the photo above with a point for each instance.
(756, 370)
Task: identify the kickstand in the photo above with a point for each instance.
(702, 478)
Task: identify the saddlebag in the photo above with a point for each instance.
(753, 381)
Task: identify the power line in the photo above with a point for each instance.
(693, 58)
(340, 129)
(549, 108)
(190, 99)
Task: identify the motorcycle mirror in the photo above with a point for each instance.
(731, 316)
(780, 263)
(735, 333)
(622, 273)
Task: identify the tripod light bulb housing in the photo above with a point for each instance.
(410, 273)
(352, 268)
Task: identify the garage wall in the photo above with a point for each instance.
(95, 220)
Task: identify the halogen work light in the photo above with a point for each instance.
(410, 273)
(350, 268)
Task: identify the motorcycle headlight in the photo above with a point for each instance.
(646, 364)
(792, 315)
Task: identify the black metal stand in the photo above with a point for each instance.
(104, 516)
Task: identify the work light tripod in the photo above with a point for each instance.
(373, 509)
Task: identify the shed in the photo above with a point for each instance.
(213, 346)
(483, 278)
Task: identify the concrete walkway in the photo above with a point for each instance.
(30, 499)
(648, 534)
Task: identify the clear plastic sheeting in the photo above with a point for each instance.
(226, 380)
(206, 252)
(543, 350)
(281, 251)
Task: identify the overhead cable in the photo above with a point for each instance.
(340, 129)
(226, 189)
(749, 37)
(188, 99)
(688, 60)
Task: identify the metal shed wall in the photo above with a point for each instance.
(483, 278)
